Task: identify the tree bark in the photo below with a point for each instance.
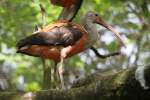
(46, 75)
(121, 85)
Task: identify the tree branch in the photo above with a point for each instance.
(102, 86)
(104, 56)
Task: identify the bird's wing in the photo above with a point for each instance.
(62, 35)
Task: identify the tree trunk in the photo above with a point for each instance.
(122, 85)
(46, 75)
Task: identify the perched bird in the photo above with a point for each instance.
(63, 39)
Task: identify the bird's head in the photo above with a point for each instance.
(93, 17)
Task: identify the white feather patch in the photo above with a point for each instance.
(25, 47)
(139, 76)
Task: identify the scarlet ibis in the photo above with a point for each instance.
(70, 8)
(63, 39)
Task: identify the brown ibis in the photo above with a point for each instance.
(63, 39)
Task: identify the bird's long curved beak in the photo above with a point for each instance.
(101, 22)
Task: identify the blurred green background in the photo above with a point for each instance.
(19, 17)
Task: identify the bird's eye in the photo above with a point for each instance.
(96, 14)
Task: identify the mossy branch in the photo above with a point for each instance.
(121, 85)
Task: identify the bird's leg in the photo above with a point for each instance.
(60, 71)
(104, 56)
(63, 55)
(56, 75)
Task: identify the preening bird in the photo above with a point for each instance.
(63, 39)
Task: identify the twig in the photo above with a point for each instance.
(104, 56)
(43, 12)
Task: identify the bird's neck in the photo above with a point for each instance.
(92, 31)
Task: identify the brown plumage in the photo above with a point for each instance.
(48, 42)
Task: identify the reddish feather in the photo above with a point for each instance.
(63, 3)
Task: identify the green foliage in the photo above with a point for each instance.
(33, 86)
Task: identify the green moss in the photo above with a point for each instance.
(121, 77)
(9, 96)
